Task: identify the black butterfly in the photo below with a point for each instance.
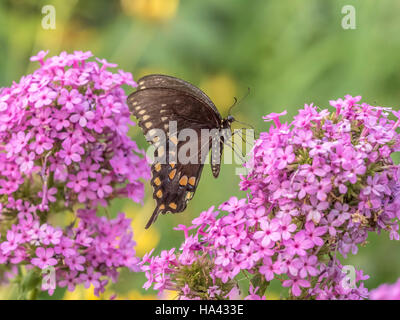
(159, 100)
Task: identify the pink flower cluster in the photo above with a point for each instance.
(63, 143)
(386, 292)
(317, 186)
(88, 254)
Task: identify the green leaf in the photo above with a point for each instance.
(259, 281)
(31, 281)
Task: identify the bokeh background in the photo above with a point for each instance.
(287, 52)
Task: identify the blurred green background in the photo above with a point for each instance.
(287, 52)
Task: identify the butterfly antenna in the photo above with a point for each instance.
(234, 104)
(153, 218)
(240, 101)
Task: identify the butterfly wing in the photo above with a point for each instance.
(172, 195)
(174, 183)
(156, 107)
(164, 81)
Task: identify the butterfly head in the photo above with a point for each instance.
(226, 123)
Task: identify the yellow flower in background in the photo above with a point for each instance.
(145, 239)
(89, 294)
(77, 294)
(169, 295)
(272, 296)
(77, 36)
(146, 71)
(221, 88)
(136, 295)
(6, 292)
(80, 293)
(155, 10)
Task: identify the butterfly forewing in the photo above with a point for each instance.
(163, 81)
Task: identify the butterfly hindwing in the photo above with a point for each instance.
(174, 185)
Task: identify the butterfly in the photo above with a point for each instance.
(160, 103)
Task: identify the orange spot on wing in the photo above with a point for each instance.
(157, 181)
(172, 174)
(192, 181)
(173, 205)
(183, 181)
